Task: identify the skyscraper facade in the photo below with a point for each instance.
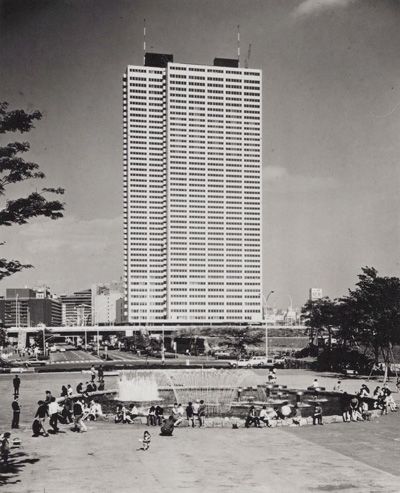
(192, 192)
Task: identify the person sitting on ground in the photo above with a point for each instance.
(286, 410)
(79, 388)
(381, 403)
(317, 415)
(145, 440)
(69, 391)
(390, 402)
(189, 414)
(264, 417)
(167, 428)
(355, 414)
(364, 391)
(89, 387)
(94, 386)
(101, 385)
(118, 417)
(133, 412)
(377, 392)
(94, 411)
(364, 410)
(151, 416)
(64, 391)
(315, 383)
(296, 416)
(252, 418)
(175, 414)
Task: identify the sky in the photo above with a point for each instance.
(331, 126)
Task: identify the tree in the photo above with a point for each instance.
(374, 310)
(240, 339)
(14, 169)
(3, 337)
(320, 316)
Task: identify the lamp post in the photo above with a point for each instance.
(266, 323)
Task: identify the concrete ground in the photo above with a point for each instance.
(354, 457)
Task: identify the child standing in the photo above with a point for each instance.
(146, 440)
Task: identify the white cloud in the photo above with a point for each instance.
(313, 7)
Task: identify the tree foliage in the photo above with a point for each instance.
(320, 316)
(373, 308)
(367, 318)
(241, 339)
(15, 169)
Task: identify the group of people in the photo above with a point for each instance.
(358, 407)
(69, 411)
(195, 413)
(266, 415)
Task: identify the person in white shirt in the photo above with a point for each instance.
(176, 414)
(315, 383)
(54, 409)
(195, 407)
(264, 417)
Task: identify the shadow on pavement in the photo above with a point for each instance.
(17, 461)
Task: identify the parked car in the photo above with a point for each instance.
(262, 362)
(240, 363)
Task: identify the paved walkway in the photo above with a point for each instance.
(338, 457)
(354, 457)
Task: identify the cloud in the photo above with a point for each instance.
(314, 7)
(278, 179)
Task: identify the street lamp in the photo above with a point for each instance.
(266, 323)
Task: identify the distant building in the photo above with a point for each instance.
(24, 307)
(315, 294)
(104, 302)
(120, 315)
(77, 308)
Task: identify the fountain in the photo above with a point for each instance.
(226, 392)
(216, 387)
(139, 387)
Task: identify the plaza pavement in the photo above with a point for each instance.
(354, 457)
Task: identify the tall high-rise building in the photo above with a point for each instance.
(192, 192)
